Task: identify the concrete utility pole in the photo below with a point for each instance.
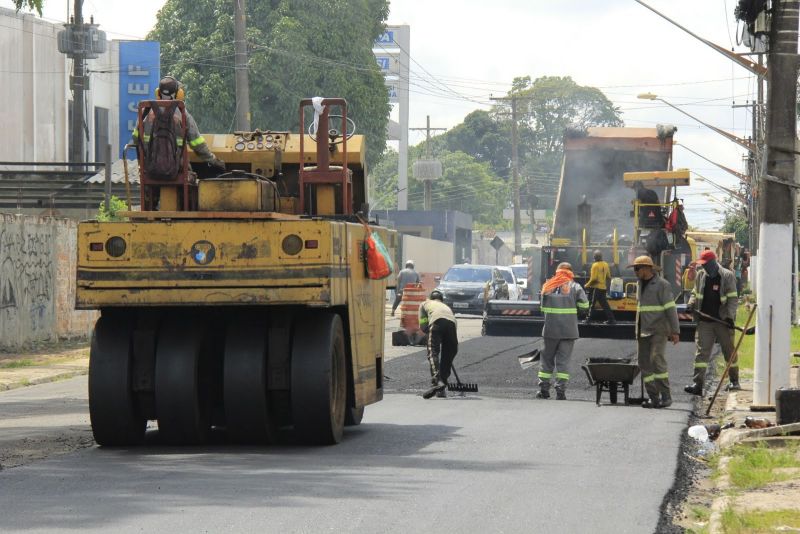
(774, 272)
(77, 83)
(514, 170)
(240, 61)
(426, 181)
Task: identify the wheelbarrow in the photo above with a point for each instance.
(612, 375)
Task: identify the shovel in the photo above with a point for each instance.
(529, 359)
(748, 332)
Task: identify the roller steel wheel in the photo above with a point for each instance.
(112, 404)
(247, 408)
(319, 380)
(183, 396)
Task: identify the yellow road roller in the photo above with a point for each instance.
(238, 302)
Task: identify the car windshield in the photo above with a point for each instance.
(520, 271)
(509, 278)
(468, 274)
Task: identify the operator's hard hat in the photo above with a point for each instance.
(409, 262)
(436, 295)
(705, 257)
(169, 88)
(643, 261)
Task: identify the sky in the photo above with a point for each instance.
(464, 52)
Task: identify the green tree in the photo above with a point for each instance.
(383, 182)
(466, 185)
(736, 222)
(33, 5)
(297, 49)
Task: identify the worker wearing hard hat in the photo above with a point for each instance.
(715, 299)
(656, 321)
(404, 277)
(562, 299)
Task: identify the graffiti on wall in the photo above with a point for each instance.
(27, 311)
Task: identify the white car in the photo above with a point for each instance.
(514, 289)
(521, 274)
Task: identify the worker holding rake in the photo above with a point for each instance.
(437, 320)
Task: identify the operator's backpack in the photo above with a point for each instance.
(163, 157)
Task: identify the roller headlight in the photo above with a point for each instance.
(292, 244)
(115, 246)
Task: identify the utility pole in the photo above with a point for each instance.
(240, 62)
(514, 170)
(774, 272)
(427, 177)
(77, 83)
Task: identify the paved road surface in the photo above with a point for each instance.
(498, 461)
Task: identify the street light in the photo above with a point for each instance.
(738, 140)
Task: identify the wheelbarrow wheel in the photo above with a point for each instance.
(612, 392)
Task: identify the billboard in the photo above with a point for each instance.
(139, 73)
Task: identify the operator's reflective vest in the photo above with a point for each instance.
(656, 312)
(431, 311)
(196, 141)
(728, 296)
(560, 308)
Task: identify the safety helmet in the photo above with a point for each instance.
(436, 295)
(169, 88)
(409, 263)
(642, 261)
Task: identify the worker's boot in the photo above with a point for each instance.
(733, 386)
(437, 388)
(694, 389)
(652, 402)
(561, 394)
(666, 399)
(442, 393)
(543, 394)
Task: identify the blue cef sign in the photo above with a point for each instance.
(139, 73)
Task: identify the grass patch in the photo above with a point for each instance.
(747, 349)
(756, 522)
(16, 364)
(753, 467)
(700, 513)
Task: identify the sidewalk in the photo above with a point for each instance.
(755, 475)
(19, 370)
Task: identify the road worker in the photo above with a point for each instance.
(406, 276)
(597, 285)
(562, 299)
(656, 322)
(169, 88)
(437, 320)
(715, 299)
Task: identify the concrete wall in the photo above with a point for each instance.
(37, 281)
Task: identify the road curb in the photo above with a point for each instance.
(720, 504)
(43, 380)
